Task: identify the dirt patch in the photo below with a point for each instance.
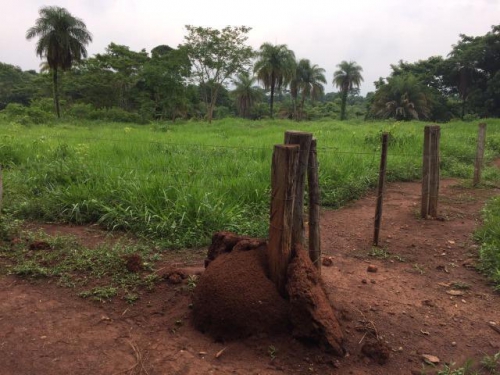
(47, 329)
(133, 262)
(377, 350)
(40, 245)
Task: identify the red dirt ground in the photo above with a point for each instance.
(46, 329)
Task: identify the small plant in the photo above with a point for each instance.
(399, 258)
(150, 281)
(491, 363)
(100, 294)
(192, 280)
(130, 297)
(379, 253)
(272, 351)
(460, 285)
(464, 370)
(418, 268)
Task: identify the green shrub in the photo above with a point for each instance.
(81, 111)
(26, 115)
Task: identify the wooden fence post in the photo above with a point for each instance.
(381, 183)
(1, 189)
(314, 196)
(430, 171)
(478, 164)
(435, 137)
(283, 192)
(304, 141)
(424, 209)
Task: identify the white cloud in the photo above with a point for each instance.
(375, 34)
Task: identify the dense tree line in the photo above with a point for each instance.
(465, 84)
(215, 74)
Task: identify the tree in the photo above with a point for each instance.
(16, 86)
(164, 77)
(275, 68)
(126, 67)
(245, 92)
(346, 78)
(62, 41)
(308, 82)
(216, 55)
(402, 98)
(463, 69)
(430, 76)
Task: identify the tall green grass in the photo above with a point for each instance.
(181, 182)
(489, 236)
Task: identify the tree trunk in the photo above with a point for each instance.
(210, 113)
(56, 92)
(302, 107)
(342, 108)
(295, 110)
(272, 95)
(272, 102)
(213, 100)
(463, 108)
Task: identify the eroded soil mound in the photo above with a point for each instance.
(234, 298)
(311, 314)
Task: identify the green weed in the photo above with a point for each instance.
(379, 253)
(418, 268)
(73, 265)
(272, 351)
(100, 294)
(489, 365)
(383, 254)
(192, 280)
(459, 285)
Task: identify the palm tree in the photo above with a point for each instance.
(402, 98)
(275, 68)
(348, 76)
(245, 93)
(62, 41)
(308, 82)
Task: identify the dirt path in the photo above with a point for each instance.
(46, 329)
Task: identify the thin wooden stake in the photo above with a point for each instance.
(314, 196)
(381, 183)
(283, 191)
(478, 164)
(304, 141)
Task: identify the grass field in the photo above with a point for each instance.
(179, 183)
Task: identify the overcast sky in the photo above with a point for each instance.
(374, 33)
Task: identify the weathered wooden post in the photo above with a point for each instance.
(1, 189)
(314, 230)
(435, 137)
(430, 171)
(478, 164)
(381, 183)
(304, 141)
(283, 193)
(424, 209)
